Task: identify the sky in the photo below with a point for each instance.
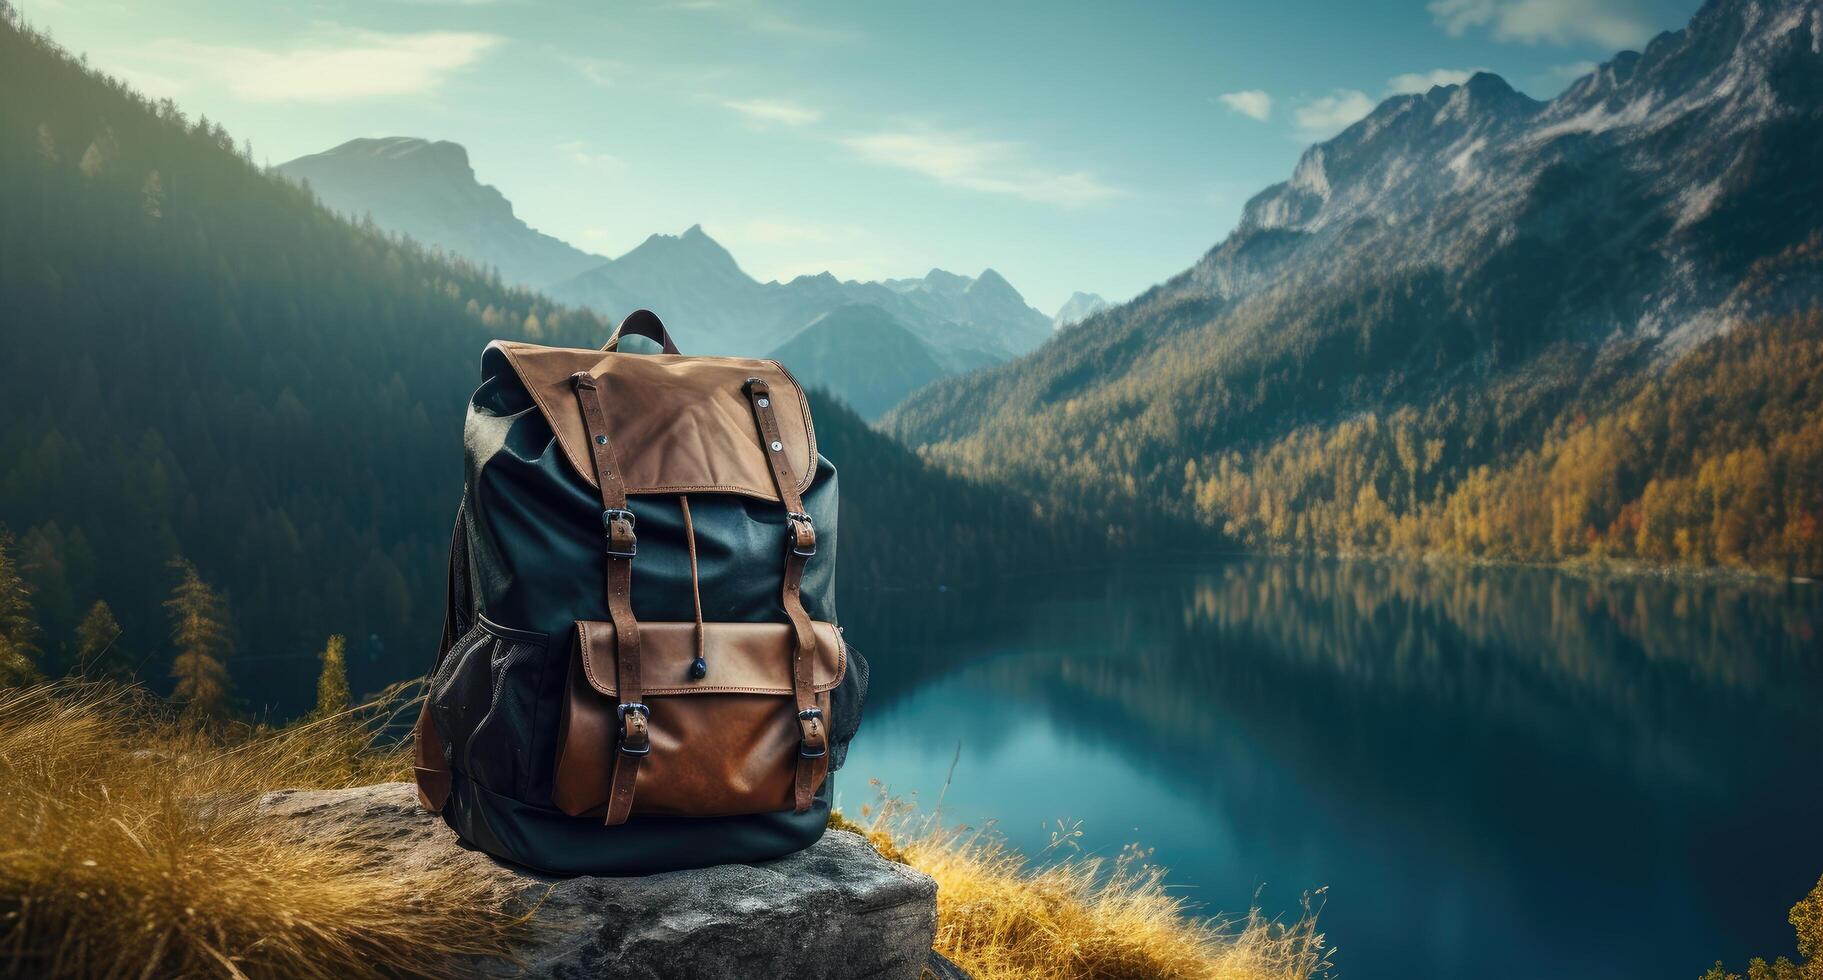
(1100, 147)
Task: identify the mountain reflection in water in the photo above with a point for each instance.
(1496, 771)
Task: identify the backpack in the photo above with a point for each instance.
(640, 667)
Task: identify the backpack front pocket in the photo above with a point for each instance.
(723, 744)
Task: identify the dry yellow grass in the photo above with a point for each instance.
(1001, 918)
(132, 849)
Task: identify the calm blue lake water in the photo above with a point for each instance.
(1495, 772)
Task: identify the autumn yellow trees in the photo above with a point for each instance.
(199, 630)
(1715, 460)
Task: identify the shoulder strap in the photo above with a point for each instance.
(622, 545)
(800, 547)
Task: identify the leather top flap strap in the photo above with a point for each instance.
(749, 658)
(680, 424)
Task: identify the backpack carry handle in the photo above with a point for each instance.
(643, 323)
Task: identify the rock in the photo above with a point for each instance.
(837, 909)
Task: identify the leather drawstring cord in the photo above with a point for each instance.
(699, 669)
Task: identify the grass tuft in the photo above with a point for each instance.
(1001, 917)
(134, 849)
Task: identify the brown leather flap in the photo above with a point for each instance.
(680, 424)
(744, 658)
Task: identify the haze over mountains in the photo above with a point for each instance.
(1454, 278)
(427, 190)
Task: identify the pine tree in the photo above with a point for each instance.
(332, 683)
(18, 630)
(99, 652)
(199, 628)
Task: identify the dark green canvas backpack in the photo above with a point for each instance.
(640, 667)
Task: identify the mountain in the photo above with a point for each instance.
(862, 355)
(1439, 288)
(204, 362)
(987, 303)
(714, 307)
(428, 190)
(1079, 307)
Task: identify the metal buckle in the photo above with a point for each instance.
(620, 712)
(806, 715)
(794, 517)
(608, 517)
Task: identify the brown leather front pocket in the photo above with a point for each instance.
(722, 745)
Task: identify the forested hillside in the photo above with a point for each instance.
(1444, 293)
(212, 382)
(1717, 462)
(203, 362)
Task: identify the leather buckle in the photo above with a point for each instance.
(810, 723)
(628, 745)
(802, 530)
(608, 517)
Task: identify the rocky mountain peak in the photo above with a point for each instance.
(1677, 136)
(430, 156)
(427, 189)
(1738, 62)
(1077, 308)
(944, 281)
(991, 286)
(693, 246)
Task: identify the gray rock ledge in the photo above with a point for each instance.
(836, 910)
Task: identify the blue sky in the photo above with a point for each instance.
(1100, 147)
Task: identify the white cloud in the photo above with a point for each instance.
(779, 111)
(989, 166)
(757, 16)
(1422, 81)
(598, 71)
(1614, 23)
(578, 152)
(1251, 103)
(357, 65)
(1329, 115)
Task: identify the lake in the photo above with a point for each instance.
(1496, 772)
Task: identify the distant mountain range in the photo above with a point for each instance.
(427, 190)
(716, 308)
(1436, 289)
